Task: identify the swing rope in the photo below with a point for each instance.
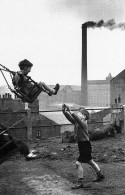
(7, 128)
(7, 70)
(5, 79)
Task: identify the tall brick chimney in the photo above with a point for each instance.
(84, 88)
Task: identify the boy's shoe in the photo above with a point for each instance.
(77, 185)
(56, 88)
(100, 177)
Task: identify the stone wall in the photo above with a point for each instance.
(96, 119)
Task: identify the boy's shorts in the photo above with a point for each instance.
(85, 151)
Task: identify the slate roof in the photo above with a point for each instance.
(121, 75)
(57, 117)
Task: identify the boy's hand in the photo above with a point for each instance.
(68, 109)
(65, 108)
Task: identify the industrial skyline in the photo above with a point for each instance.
(48, 33)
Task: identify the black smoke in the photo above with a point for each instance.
(110, 24)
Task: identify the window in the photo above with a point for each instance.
(38, 134)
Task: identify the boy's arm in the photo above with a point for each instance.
(67, 114)
(78, 120)
(17, 79)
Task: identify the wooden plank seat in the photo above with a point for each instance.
(28, 90)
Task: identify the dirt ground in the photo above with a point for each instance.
(54, 172)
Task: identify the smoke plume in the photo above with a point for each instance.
(110, 24)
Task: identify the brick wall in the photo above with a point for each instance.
(9, 104)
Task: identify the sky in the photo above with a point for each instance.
(48, 33)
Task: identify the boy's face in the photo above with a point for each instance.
(26, 70)
(81, 116)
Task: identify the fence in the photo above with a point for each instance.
(21, 124)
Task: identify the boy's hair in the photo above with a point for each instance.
(84, 111)
(24, 64)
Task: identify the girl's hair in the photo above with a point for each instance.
(25, 64)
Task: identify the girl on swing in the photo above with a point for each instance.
(21, 76)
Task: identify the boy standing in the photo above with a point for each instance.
(84, 145)
(21, 76)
